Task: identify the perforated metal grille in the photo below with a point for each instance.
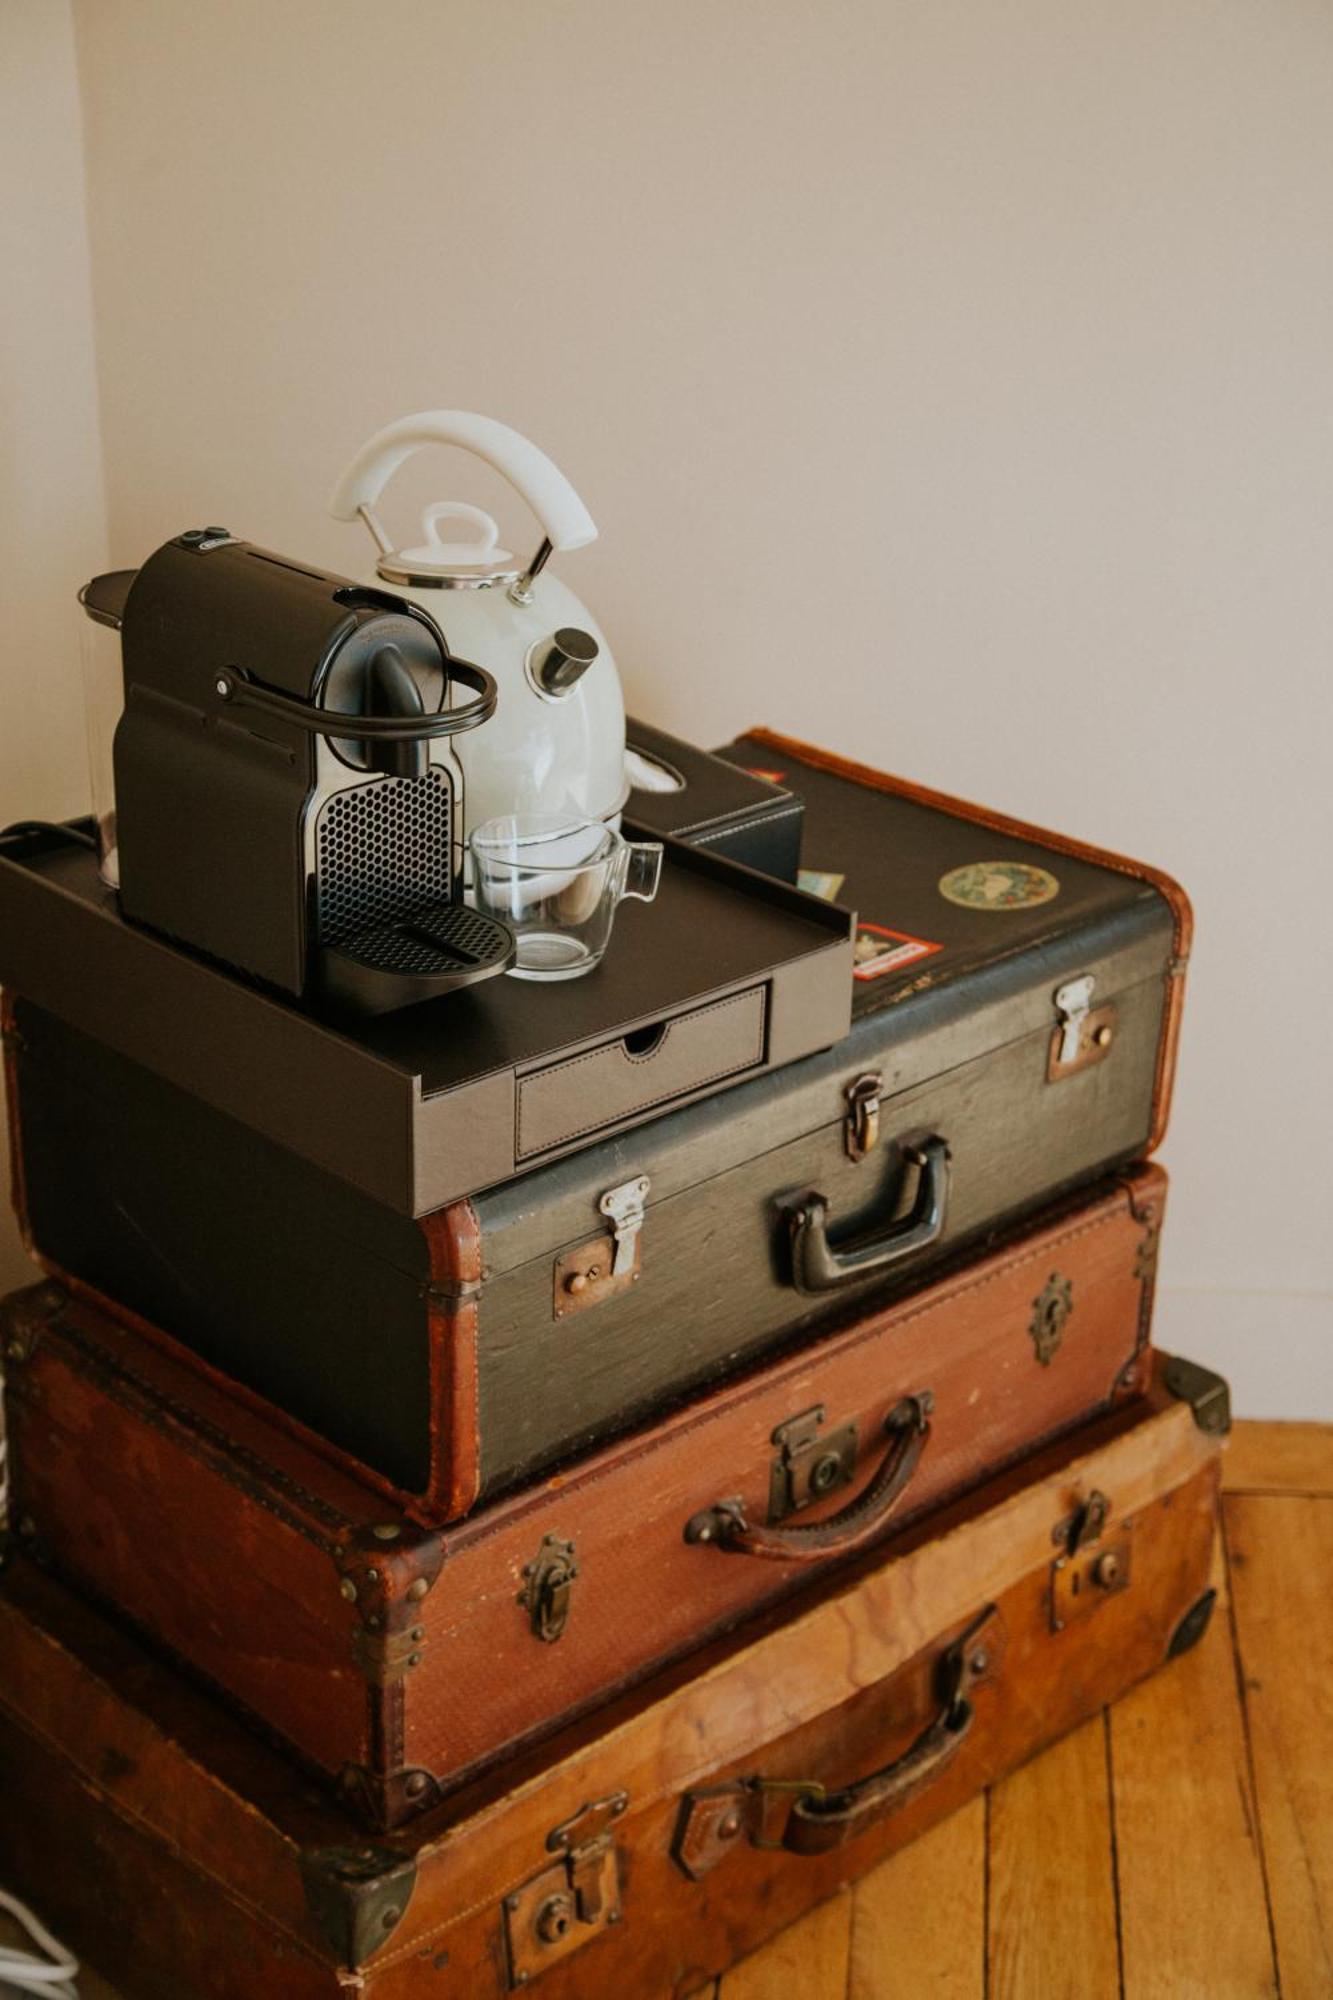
(383, 850)
(439, 941)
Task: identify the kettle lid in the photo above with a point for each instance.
(458, 564)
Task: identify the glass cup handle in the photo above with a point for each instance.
(640, 869)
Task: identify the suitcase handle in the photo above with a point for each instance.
(724, 1526)
(802, 1816)
(817, 1267)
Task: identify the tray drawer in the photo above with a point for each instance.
(650, 1066)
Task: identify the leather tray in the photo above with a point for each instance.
(726, 975)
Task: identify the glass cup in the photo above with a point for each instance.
(556, 881)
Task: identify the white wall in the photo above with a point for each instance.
(52, 524)
(951, 384)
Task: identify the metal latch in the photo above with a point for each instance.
(1090, 1569)
(573, 1899)
(1084, 1525)
(599, 1269)
(1084, 1034)
(861, 1128)
(1073, 1002)
(810, 1463)
(549, 1582)
(623, 1207)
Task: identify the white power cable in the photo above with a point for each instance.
(51, 1976)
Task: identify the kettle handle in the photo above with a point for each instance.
(564, 518)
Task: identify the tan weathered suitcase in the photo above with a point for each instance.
(643, 1853)
(400, 1660)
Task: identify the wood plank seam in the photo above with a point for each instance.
(1250, 1803)
(1115, 1853)
(985, 1893)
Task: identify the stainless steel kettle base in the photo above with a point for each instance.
(429, 951)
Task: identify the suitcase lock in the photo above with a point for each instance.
(1094, 1563)
(572, 1899)
(549, 1583)
(810, 1463)
(602, 1268)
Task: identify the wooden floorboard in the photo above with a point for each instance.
(1279, 1458)
(1052, 1917)
(810, 1960)
(1193, 1904)
(1180, 1848)
(1281, 1559)
(919, 1919)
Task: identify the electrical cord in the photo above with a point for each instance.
(22, 828)
(52, 1975)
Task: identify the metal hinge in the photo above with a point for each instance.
(452, 1291)
(600, 1269)
(384, 1657)
(571, 1900)
(1083, 1036)
(860, 1133)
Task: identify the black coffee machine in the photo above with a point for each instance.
(286, 798)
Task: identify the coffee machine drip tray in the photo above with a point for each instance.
(418, 957)
(728, 974)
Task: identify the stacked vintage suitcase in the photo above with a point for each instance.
(577, 1577)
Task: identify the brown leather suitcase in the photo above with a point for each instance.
(1015, 1011)
(644, 1855)
(400, 1660)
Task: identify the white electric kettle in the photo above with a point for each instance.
(556, 742)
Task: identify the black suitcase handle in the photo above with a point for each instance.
(817, 1267)
(724, 1524)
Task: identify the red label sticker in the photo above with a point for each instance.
(878, 951)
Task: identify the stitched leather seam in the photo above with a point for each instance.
(768, 818)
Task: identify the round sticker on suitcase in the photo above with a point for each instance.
(998, 885)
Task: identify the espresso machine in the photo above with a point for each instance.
(286, 795)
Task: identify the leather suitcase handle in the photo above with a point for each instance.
(817, 1267)
(818, 1823)
(724, 1525)
(803, 1816)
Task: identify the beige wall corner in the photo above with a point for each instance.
(52, 518)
